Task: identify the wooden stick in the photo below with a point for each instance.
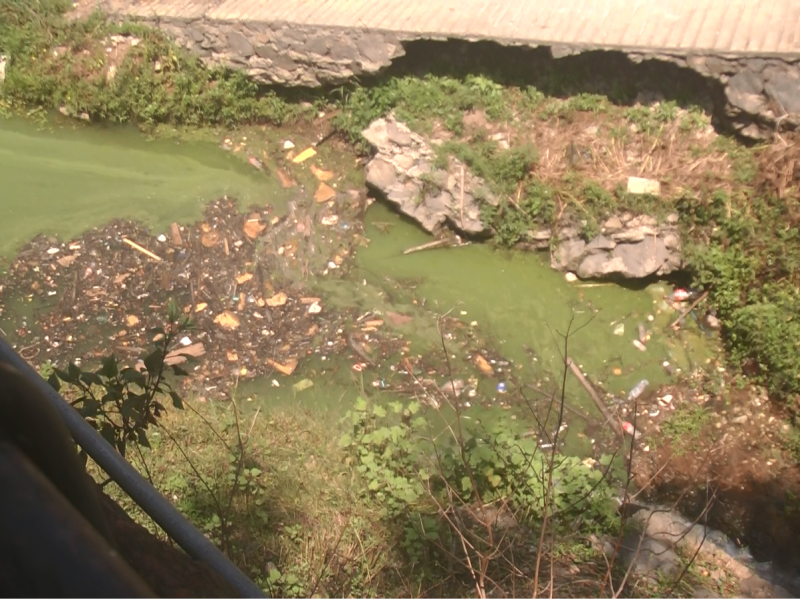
(144, 251)
(462, 196)
(694, 304)
(427, 246)
(615, 424)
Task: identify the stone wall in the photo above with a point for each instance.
(763, 94)
(287, 55)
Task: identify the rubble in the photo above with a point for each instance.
(105, 286)
(403, 169)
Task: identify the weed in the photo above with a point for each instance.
(420, 102)
(695, 119)
(503, 170)
(407, 470)
(753, 272)
(651, 119)
(684, 427)
(791, 442)
(512, 222)
(122, 403)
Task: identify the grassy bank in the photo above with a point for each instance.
(77, 67)
(356, 510)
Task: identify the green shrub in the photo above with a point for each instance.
(415, 473)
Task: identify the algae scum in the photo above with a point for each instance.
(509, 308)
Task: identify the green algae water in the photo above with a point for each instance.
(524, 308)
(66, 178)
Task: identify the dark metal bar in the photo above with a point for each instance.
(136, 486)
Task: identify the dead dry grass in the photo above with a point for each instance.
(779, 167)
(606, 147)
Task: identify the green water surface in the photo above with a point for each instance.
(63, 179)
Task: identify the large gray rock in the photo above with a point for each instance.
(402, 169)
(745, 91)
(648, 555)
(630, 247)
(784, 87)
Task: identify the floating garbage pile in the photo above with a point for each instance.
(104, 292)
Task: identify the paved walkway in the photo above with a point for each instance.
(762, 27)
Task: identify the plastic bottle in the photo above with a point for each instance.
(637, 390)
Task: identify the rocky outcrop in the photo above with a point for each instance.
(763, 94)
(403, 169)
(650, 545)
(630, 247)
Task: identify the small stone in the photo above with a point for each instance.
(132, 320)
(288, 145)
(570, 277)
(162, 238)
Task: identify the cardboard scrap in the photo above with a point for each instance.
(227, 320)
(285, 369)
(321, 174)
(483, 365)
(324, 193)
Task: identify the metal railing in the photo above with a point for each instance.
(137, 487)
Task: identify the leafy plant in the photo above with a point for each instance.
(122, 402)
(416, 475)
(503, 170)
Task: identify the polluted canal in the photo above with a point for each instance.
(299, 290)
(302, 291)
